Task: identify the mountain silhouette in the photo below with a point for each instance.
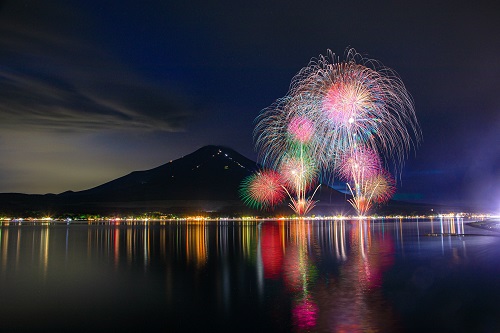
(206, 181)
(209, 173)
(202, 180)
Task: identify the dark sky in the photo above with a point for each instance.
(92, 90)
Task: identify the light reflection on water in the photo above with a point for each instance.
(325, 276)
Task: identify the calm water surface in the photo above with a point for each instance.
(308, 276)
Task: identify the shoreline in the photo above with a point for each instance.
(490, 224)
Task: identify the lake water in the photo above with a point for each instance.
(233, 276)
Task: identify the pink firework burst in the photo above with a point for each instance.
(354, 101)
(359, 164)
(346, 101)
(301, 129)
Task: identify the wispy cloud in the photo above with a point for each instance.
(53, 79)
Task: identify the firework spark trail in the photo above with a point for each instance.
(280, 128)
(333, 109)
(301, 205)
(375, 190)
(355, 101)
(359, 167)
(299, 173)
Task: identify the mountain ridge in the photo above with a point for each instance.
(159, 182)
(204, 181)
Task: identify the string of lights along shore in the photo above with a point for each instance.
(350, 118)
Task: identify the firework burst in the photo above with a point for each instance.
(359, 164)
(355, 101)
(382, 187)
(366, 191)
(346, 117)
(299, 173)
(262, 190)
(300, 129)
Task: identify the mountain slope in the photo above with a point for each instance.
(209, 173)
(206, 180)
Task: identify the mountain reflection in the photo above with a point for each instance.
(313, 275)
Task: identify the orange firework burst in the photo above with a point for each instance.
(382, 187)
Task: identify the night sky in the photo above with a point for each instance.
(92, 90)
